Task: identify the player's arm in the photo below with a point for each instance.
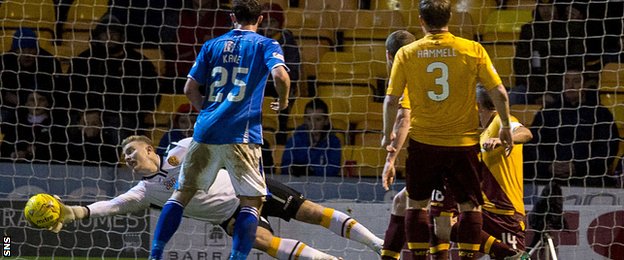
(199, 74)
(275, 62)
(395, 90)
(501, 103)
(282, 86)
(390, 111)
(401, 128)
(191, 90)
(490, 79)
(132, 200)
(521, 134)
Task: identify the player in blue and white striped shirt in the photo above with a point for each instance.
(233, 69)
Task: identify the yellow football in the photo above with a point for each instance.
(42, 210)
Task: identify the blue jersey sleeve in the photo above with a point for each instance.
(201, 67)
(273, 55)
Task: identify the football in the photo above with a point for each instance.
(42, 210)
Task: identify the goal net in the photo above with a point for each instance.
(78, 76)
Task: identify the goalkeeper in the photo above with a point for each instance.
(219, 205)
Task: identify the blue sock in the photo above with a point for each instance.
(244, 233)
(168, 222)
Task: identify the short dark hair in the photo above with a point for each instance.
(136, 138)
(315, 104)
(483, 99)
(246, 11)
(107, 24)
(435, 13)
(398, 39)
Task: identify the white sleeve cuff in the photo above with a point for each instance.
(281, 64)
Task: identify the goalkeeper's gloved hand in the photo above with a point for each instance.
(68, 215)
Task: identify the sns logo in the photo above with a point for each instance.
(6, 246)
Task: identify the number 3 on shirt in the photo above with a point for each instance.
(442, 81)
(224, 80)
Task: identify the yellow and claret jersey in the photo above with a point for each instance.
(441, 72)
(502, 177)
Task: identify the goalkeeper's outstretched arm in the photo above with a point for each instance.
(131, 201)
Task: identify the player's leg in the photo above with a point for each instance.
(505, 235)
(285, 248)
(395, 233)
(440, 230)
(443, 213)
(417, 228)
(490, 245)
(245, 226)
(423, 168)
(287, 203)
(445, 229)
(465, 183)
(168, 223)
(194, 166)
(339, 223)
(243, 163)
(279, 248)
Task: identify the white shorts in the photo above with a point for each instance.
(242, 161)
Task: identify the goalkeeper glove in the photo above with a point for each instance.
(68, 215)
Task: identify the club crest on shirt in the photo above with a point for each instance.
(228, 47)
(169, 183)
(173, 161)
(279, 56)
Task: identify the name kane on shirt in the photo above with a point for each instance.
(231, 58)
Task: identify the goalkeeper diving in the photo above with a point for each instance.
(218, 204)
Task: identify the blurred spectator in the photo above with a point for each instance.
(273, 27)
(575, 138)
(313, 149)
(200, 21)
(62, 10)
(30, 136)
(89, 143)
(183, 123)
(596, 62)
(25, 68)
(147, 23)
(604, 25)
(541, 52)
(576, 17)
(115, 78)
